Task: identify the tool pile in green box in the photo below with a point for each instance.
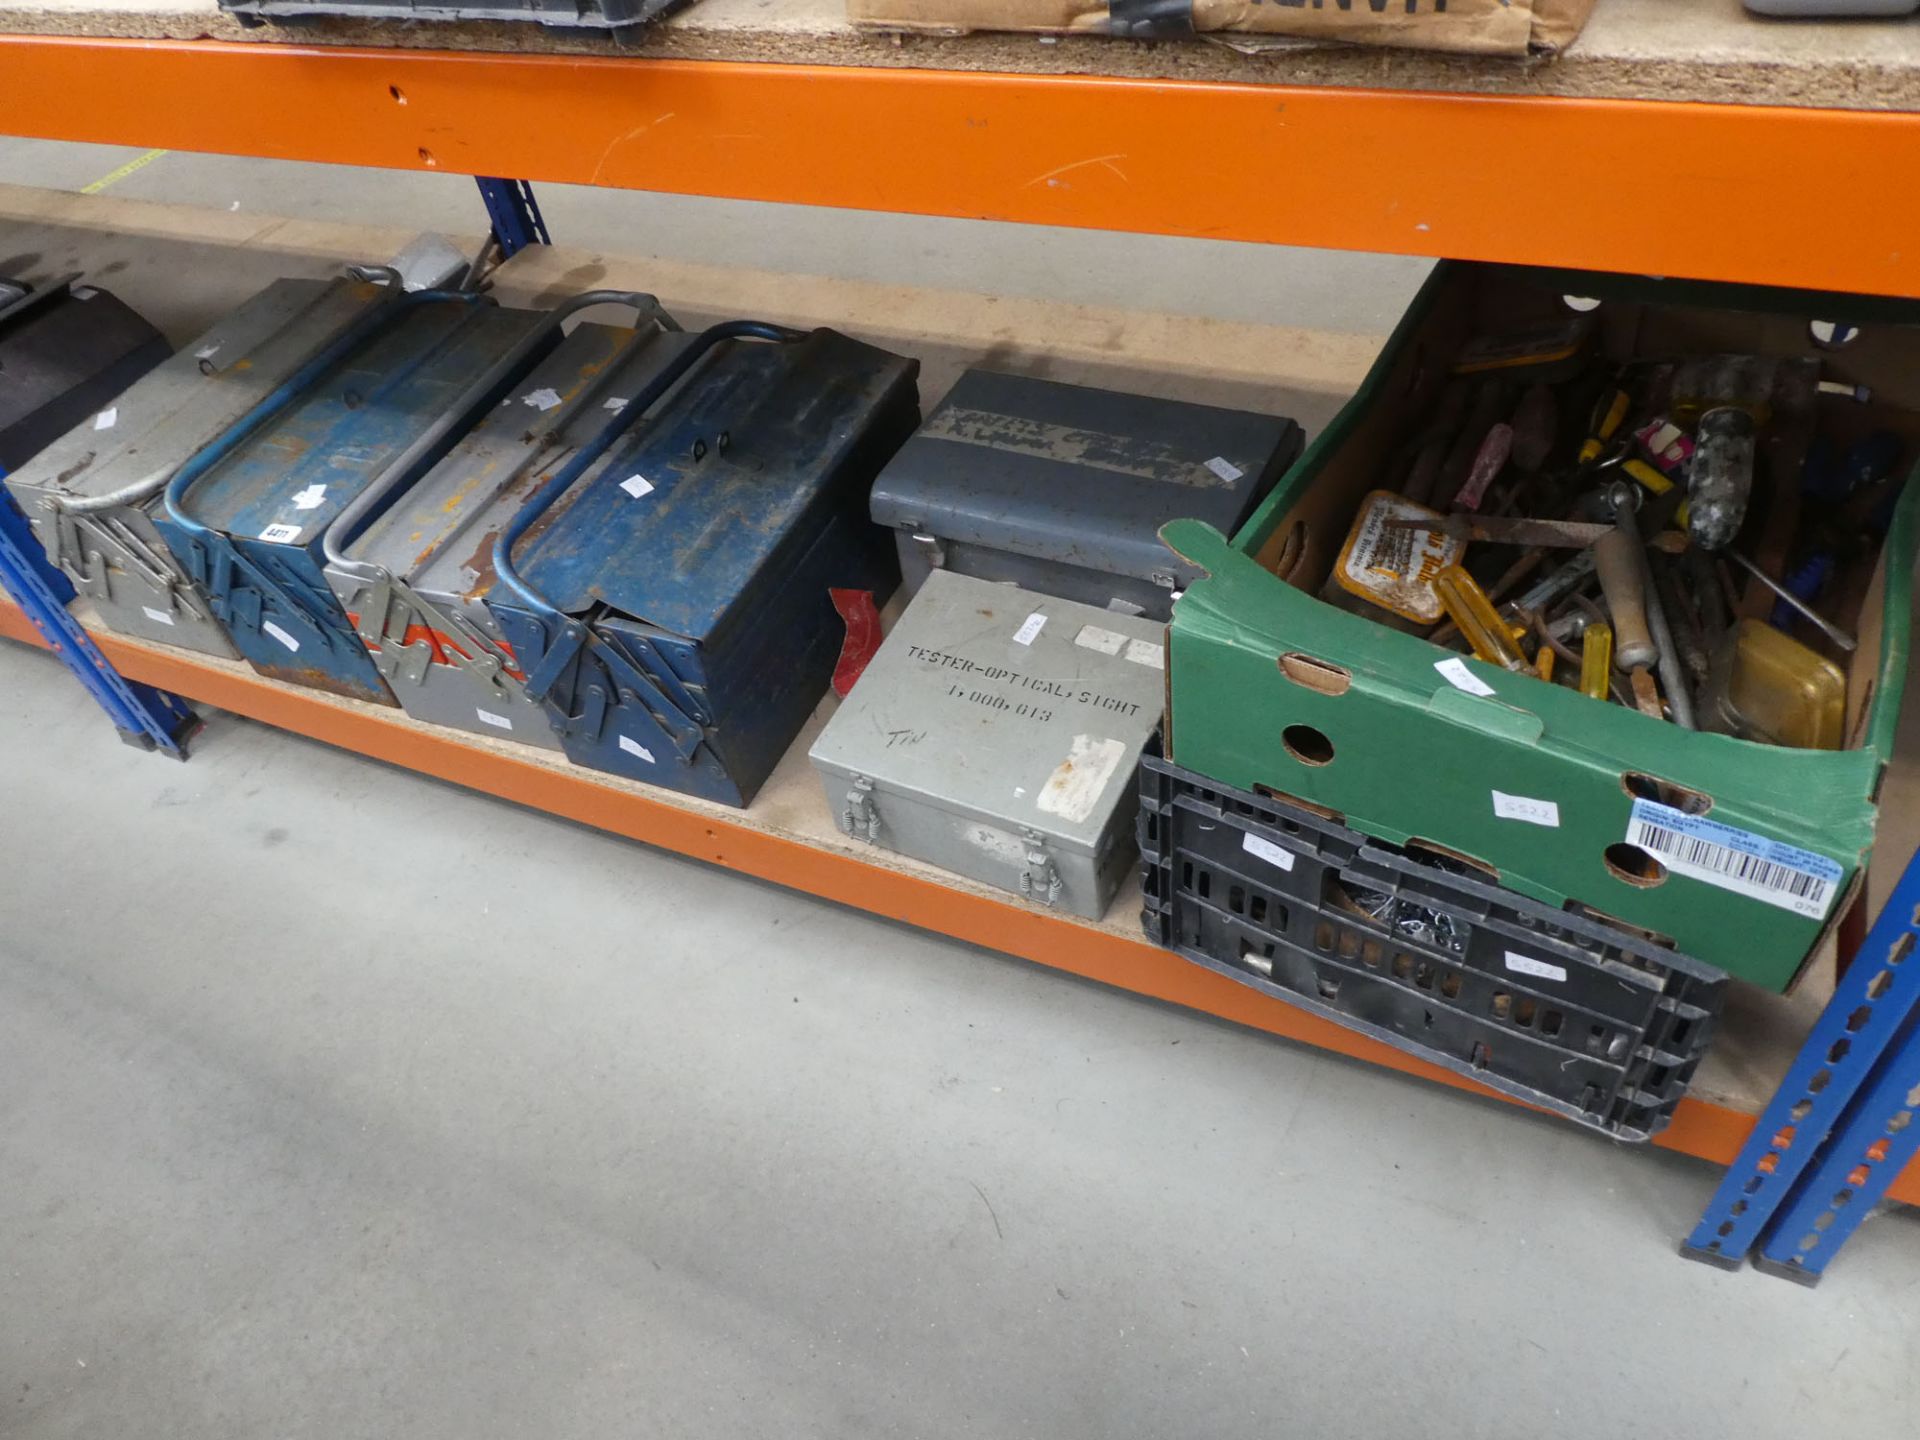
(1599, 585)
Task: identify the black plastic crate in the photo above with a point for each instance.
(622, 17)
(1560, 1010)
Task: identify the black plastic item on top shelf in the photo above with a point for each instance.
(1559, 1010)
(621, 17)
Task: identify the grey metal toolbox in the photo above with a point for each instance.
(1063, 489)
(415, 581)
(996, 734)
(91, 494)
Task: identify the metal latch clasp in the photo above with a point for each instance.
(861, 818)
(1039, 880)
(933, 548)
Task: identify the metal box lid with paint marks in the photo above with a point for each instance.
(416, 579)
(1063, 488)
(995, 734)
(65, 351)
(92, 494)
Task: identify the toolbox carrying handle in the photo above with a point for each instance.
(148, 484)
(463, 414)
(542, 500)
(296, 386)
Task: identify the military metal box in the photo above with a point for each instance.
(1063, 489)
(416, 580)
(92, 494)
(66, 351)
(996, 734)
(246, 516)
(669, 603)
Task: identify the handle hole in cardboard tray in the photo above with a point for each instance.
(1316, 675)
(1832, 334)
(1633, 865)
(1307, 745)
(1665, 792)
(1444, 857)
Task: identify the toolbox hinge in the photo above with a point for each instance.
(390, 608)
(861, 818)
(81, 547)
(1039, 879)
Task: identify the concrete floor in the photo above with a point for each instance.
(337, 1102)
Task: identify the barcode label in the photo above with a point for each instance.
(1736, 860)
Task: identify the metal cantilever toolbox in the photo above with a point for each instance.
(93, 493)
(66, 350)
(1063, 488)
(246, 516)
(669, 600)
(995, 734)
(414, 581)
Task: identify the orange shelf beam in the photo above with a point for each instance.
(1711, 1132)
(1728, 192)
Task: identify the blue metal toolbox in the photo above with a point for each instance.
(246, 515)
(669, 603)
(1063, 489)
(414, 580)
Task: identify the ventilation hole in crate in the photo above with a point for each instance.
(1801, 1109)
(1206, 883)
(1665, 792)
(1633, 865)
(1714, 1245)
(1307, 745)
(1857, 1021)
(1254, 961)
(1839, 1050)
(1596, 1039)
(1619, 1046)
(1878, 985)
(1372, 953)
(1482, 1056)
(1349, 944)
(1237, 899)
(1318, 675)
(1450, 984)
(1523, 1012)
(1903, 947)
(1423, 975)
(1551, 1021)
(1502, 1004)
(1323, 938)
(1767, 1164)
(1338, 817)
(1819, 1081)
(399, 95)
(1258, 911)
(1186, 875)
(1329, 987)
(1677, 1037)
(1426, 1017)
(1877, 1151)
(1402, 965)
(1899, 1122)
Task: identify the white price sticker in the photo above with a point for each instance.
(616, 404)
(637, 486)
(1030, 629)
(1266, 850)
(544, 398)
(1146, 652)
(1527, 965)
(499, 722)
(280, 533)
(206, 352)
(159, 617)
(1456, 674)
(309, 498)
(1525, 807)
(634, 747)
(282, 636)
(1107, 642)
(1225, 468)
(107, 418)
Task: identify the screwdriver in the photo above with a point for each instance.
(1469, 608)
